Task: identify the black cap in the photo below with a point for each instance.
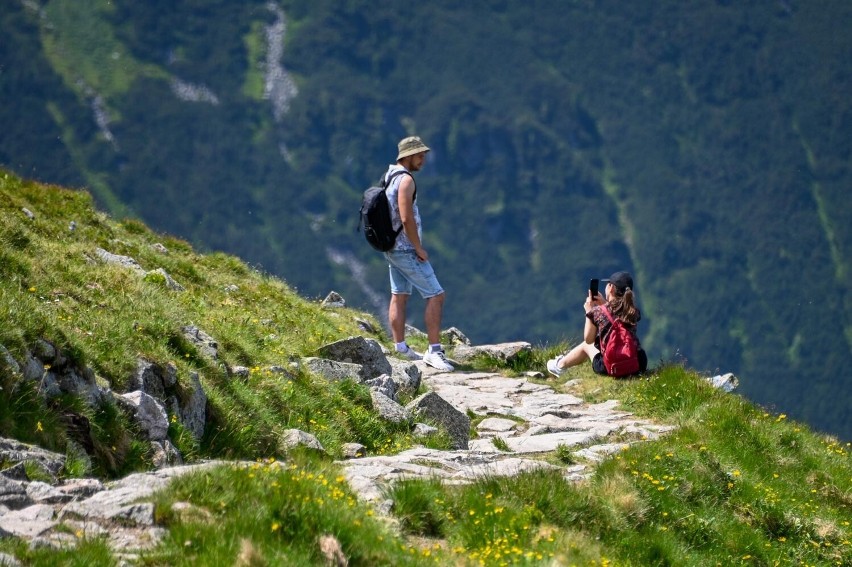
(621, 280)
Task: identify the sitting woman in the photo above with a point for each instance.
(619, 303)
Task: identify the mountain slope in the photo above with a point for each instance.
(705, 147)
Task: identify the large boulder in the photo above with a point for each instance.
(435, 408)
(358, 350)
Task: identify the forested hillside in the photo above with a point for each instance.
(705, 146)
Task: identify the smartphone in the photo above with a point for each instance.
(593, 287)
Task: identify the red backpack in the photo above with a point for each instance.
(621, 349)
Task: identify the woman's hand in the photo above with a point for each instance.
(593, 301)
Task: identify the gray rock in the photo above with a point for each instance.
(495, 425)
(16, 472)
(202, 341)
(48, 386)
(170, 282)
(726, 382)
(118, 260)
(82, 383)
(29, 522)
(597, 453)
(165, 454)
(412, 331)
(353, 450)
(241, 372)
(188, 511)
(406, 374)
(13, 495)
(366, 326)
(384, 384)
(43, 493)
(193, 413)
(79, 488)
(8, 361)
(455, 337)
(506, 352)
(115, 511)
(119, 500)
(12, 451)
(148, 413)
(332, 369)
(48, 353)
(423, 430)
(333, 300)
(296, 438)
(33, 369)
(543, 443)
(277, 369)
(7, 560)
(151, 378)
(435, 408)
(358, 350)
(389, 409)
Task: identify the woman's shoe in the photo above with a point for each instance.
(553, 366)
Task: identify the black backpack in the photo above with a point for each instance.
(376, 214)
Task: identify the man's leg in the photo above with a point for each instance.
(396, 316)
(435, 357)
(432, 317)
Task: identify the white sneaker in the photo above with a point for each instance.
(438, 360)
(553, 366)
(409, 354)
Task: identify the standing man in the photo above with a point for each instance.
(408, 261)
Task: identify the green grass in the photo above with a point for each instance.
(732, 485)
(275, 513)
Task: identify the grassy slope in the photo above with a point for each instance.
(734, 484)
(108, 317)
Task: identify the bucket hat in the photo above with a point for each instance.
(410, 146)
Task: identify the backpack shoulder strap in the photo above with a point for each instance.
(386, 180)
(605, 310)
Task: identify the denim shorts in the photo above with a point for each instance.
(407, 273)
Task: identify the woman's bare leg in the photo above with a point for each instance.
(578, 355)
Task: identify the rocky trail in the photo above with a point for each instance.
(524, 420)
(530, 419)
